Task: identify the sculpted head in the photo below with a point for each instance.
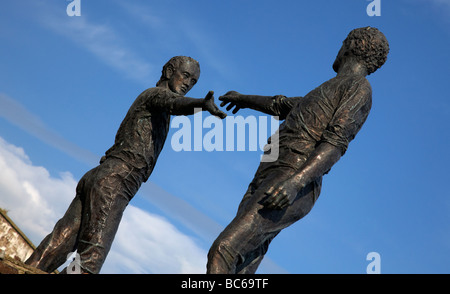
(367, 46)
(180, 74)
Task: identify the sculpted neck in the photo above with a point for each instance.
(352, 67)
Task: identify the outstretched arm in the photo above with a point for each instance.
(319, 163)
(187, 105)
(274, 105)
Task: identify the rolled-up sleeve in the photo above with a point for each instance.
(349, 117)
(282, 105)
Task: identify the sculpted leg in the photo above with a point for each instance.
(53, 250)
(242, 245)
(108, 192)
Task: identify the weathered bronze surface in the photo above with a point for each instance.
(315, 134)
(93, 217)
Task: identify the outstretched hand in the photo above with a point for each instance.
(211, 107)
(234, 99)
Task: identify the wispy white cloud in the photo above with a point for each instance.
(440, 6)
(35, 199)
(207, 48)
(147, 243)
(17, 114)
(177, 30)
(144, 14)
(182, 211)
(443, 6)
(441, 2)
(99, 39)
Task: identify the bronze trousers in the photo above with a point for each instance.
(92, 219)
(240, 248)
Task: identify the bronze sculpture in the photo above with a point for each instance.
(92, 219)
(315, 134)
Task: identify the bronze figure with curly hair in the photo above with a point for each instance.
(316, 132)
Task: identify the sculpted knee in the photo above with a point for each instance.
(222, 258)
(217, 250)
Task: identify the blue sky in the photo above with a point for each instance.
(67, 82)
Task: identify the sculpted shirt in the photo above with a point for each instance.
(334, 112)
(142, 133)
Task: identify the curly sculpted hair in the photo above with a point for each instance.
(368, 45)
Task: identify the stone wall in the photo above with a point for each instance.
(9, 265)
(13, 242)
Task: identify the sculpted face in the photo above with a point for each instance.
(183, 78)
(340, 57)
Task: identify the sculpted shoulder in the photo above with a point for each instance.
(357, 83)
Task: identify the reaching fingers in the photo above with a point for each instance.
(229, 96)
(229, 100)
(220, 114)
(231, 105)
(224, 98)
(214, 110)
(209, 95)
